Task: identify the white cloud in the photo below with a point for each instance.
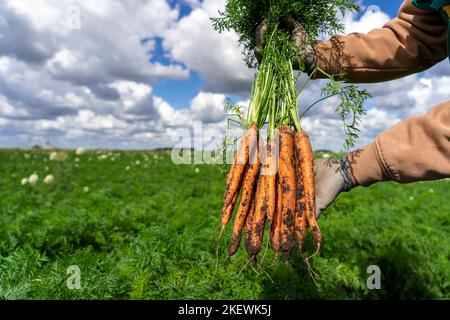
(193, 3)
(427, 93)
(95, 86)
(208, 107)
(216, 57)
(372, 18)
(108, 46)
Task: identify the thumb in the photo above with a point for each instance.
(320, 206)
(260, 34)
(288, 23)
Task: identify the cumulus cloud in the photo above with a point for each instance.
(371, 18)
(216, 57)
(108, 43)
(95, 85)
(69, 85)
(208, 107)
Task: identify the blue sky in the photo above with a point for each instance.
(388, 6)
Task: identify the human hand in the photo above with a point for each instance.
(331, 177)
(298, 35)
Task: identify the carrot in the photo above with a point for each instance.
(226, 215)
(249, 225)
(287, 183)
(248, 186)
(304, 153)
(275, 229)
(235, 175)
(270, 172)
(300, 223)
(259, 219)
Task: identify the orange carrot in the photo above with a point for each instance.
(304, 153)
(270, 172)
(247, 194)
(300, 222)
(275, 230)
(259, 219)
(241, 159)
(226, 215)
(249, 225)
(287, 183)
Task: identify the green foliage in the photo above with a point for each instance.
(316, 16)
(350, 109)
(150, 233)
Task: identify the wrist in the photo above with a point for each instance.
(366, 165)
(354, 181)
(346, 174)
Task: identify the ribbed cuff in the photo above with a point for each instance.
(367, 166)
(346, 174)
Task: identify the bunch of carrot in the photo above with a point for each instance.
(274, 179)
(276, 186)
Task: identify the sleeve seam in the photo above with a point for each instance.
(394, 69)
(381, 159)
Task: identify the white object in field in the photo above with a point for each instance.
(53, 156)
(33, 178)
(80, 151)
(49, 179)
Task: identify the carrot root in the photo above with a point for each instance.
(305, 155)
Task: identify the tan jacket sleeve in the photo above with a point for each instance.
(411, 43)
(415, 149)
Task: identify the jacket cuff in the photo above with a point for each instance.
(367, 165)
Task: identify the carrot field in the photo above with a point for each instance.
(140, 227)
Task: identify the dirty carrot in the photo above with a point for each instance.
(270, 172)
(241, 159)
(287, 185)
(275, 230)
(300, 223)
(249, 225)
(226, 215)
(259, 219)
(304, 153)
(247, 194)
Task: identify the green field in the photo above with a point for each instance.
(139, 227)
